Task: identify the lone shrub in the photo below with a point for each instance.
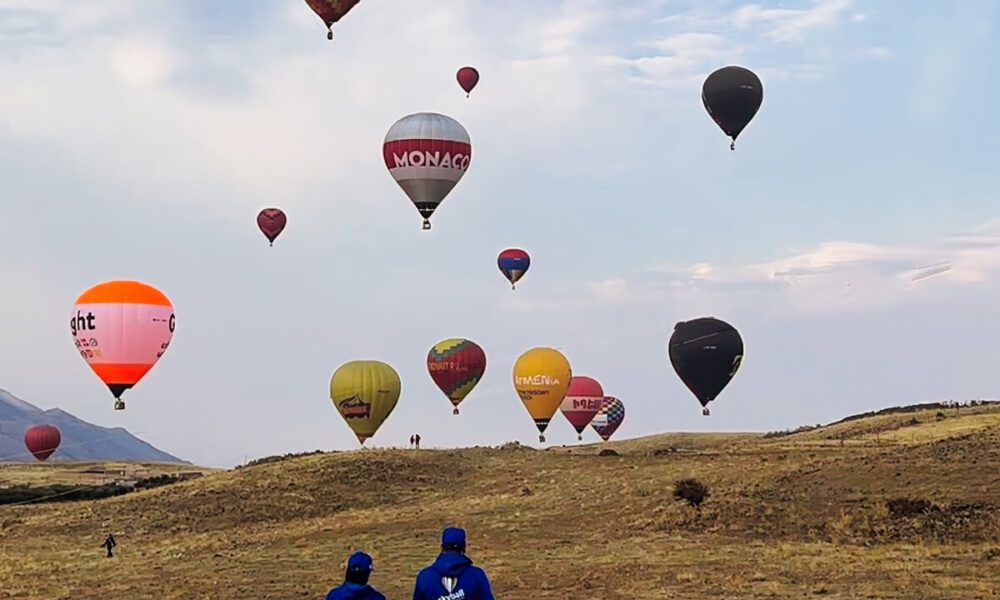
(909, 507)
(691, 491)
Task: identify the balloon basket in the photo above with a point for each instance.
(119, 405)
(427, 225)
(329, 35)
(455, 411)
(541, 438)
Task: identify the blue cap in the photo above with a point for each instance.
(453, 538)
(359, 562)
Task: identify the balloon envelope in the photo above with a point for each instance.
(513, 263)
(42, 440)
(732, 95)
(541, 378)
(705, 353)
(364, 392)
(609, 418)
(468, 77)
(122, 328)
(271, 222)
(331, 11)
(427, 154)
(456, 365)
(583, 400)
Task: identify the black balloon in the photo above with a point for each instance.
(732, 95)
(706, 353)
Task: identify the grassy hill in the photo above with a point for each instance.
(809, 514)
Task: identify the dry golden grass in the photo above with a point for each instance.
(787, 518)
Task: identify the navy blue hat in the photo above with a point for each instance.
(453, 538)
(359, 562)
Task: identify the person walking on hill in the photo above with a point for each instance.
(412, 440)
(109, 543)
(416, 438)
(452, 576)
(355, 586)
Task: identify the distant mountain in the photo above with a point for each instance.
(80, 440)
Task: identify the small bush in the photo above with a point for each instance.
(607, 452)
(909, 507)
(691, 491)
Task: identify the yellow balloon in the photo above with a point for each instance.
(541, 378)
(364, 392)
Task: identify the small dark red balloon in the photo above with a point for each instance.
(272, 222)
(468, 77)
(42, 440)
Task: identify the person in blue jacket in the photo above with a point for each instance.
(355, 586)
(452, 576)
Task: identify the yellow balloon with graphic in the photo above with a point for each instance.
(364, 392)
(541, 378)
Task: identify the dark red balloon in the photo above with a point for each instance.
(331, 11)
(272, 222)
(468, 77)
(42, 440)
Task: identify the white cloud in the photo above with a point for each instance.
(832, 276)
(792, 25)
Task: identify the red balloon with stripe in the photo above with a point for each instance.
(583, 400)
(427, 154)
(456, 365)
(42, 440)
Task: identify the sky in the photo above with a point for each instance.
(139, 139)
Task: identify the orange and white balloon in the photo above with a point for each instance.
(121, 329)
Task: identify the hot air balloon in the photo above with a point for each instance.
(541, 378)
(42, 440)
(583, 400)
(427, 154)
(364, 392)
(706, 353)
(607, 420)
(513, 263)
(732, 95)
(468, 77)
(456, 365)
(331, 11)
(271, 222)
(122, 328)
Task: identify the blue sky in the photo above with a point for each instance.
(139, 139)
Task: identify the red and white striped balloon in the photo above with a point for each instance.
(427, 154)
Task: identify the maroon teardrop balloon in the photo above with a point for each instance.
(42, 440)
(271, 222)
(468, 77)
